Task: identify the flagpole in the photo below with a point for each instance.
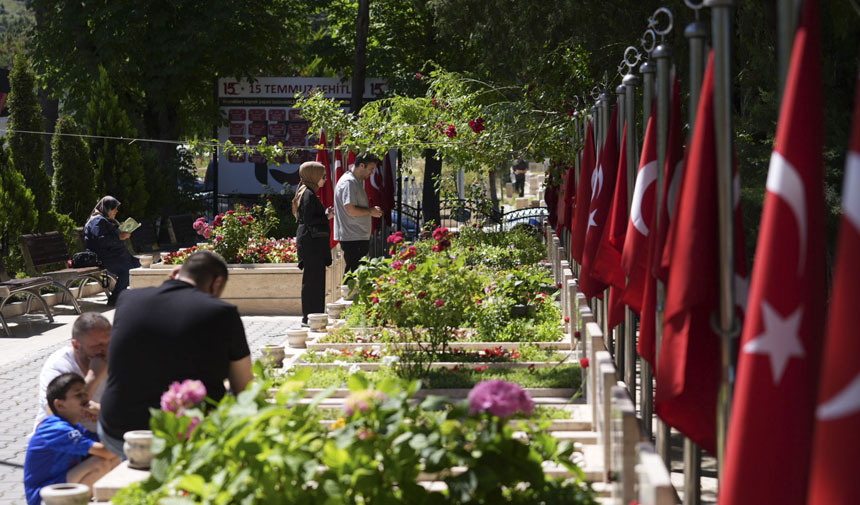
(620, 344)
(577, 139)
(604, 132)
(630, 81)
(648, 71)
(786, 11)
(721, 24)
(695, 32)
(663, 55)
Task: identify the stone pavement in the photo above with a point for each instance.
(21, 359)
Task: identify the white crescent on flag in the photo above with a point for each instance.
(783, 180)
(596, 181)
(646, 176)
(844, 404)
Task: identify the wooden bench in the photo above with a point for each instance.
(181, 230)
(45, 251)
(28, 288)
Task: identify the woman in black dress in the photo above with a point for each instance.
(102, 236)
(312, 237)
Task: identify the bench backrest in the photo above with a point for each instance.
(181, 229)
(44, 249)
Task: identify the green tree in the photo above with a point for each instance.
(74, 192)
(26, 149)
(18, 214)
(118, 163)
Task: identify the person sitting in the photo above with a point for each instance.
(179, 330)
(62, 450)
(102, 236)
(85, 355)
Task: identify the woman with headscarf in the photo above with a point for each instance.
(312, 237)
(102, 236)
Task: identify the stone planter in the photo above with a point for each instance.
(256, 289)
(296, 338)
(138, 448)
(334, 310)
(65, 494)
(317, 322)
(345, 293)
(274, 355)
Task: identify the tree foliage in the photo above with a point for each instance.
(25, 144)
(118, 163)
(74, 189)
(18, 214)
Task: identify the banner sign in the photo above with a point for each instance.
(265, 108)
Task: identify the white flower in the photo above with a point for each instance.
(390, 360)
(354, 368)
(340, 362)
(358, 350)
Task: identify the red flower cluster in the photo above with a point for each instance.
(397, 264)
(442, 238)
(438, 302)
(395, 238)
(451, 132)
(477, 125)
(409, 253)
(583, 363)
(481, 368)
(410, 267)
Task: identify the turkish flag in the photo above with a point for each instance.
(836, 444)
(689, 373)
(607, 263)
(373, 188)
(338, 160)
(634, 255)
(569, 195)
(769, 444)
(583, 195)
(602, 190)
(647, 343)
(325, 193)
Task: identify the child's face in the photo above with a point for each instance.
(73, 408)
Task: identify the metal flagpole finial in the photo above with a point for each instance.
(654, 22)
(637, 57)
(595, 93)
(695, 6)
(648, 45)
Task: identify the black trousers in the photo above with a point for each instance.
(313, 288)
(353, 251)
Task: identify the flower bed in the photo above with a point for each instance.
(377, 353)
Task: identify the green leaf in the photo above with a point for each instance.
(357, 382)
(192, 483)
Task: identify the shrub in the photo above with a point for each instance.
(73, 171)
(18, 214)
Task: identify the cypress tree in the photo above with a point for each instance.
(118, 163)
(18, 214)
(74, 193)
(26, 149)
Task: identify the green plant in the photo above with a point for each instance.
(73, 171)
(118, 163)
(239, 235)
(18, 214)
(26, 149)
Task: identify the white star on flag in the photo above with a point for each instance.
(591, 221)
(780, 340)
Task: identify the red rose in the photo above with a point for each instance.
(422, 294)
(438, 302)
(410, 268)
(577, 335)
(230, 212)
(583, 362)
(566, 319)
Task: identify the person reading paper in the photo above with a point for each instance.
(103, 236)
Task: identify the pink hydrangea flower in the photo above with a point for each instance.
(361, 401)
(500, 398)
(180, 396)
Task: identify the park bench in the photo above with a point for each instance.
(44, 251)
(27, 287)
(181, 230)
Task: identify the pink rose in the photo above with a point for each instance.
(439, 303)
(500, 398)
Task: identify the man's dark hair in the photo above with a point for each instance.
(203, 267)
(367, 158)
(59, 388)
(87, 322)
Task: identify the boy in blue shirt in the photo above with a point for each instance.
(62, 450)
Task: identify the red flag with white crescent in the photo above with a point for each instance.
(769, 443)
(634, 256)
(607, 263)
(602, 191)
(689, 372)
(325, 193)
(836, 443)
(583, 196)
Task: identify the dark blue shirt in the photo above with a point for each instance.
(55, 448)
(102, 237)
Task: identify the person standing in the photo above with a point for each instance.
(177, 331)
(102, 236)
(312, 237)
(353, 214)
(86, 355)
(520, 169)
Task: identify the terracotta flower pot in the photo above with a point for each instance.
(138, 448)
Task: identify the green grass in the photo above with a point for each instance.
(561, 376)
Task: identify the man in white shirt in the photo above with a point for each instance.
(352, 211)
(85, 355)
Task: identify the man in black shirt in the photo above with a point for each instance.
(179, 330)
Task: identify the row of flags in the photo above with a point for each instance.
(380, 186)
(794, 435)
